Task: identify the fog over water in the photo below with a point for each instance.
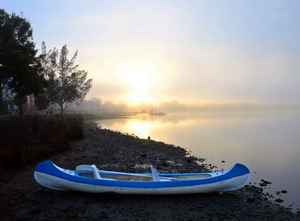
(268, 142)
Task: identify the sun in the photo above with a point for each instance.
(140, 79)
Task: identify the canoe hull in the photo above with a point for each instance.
(56, 183)
(49, 175)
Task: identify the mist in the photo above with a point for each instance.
(96, 105)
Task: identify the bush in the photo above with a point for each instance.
(28, 138)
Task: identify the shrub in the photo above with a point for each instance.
(28, 138)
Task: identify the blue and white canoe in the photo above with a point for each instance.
(88, 178)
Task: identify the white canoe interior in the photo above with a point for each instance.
(141, 177)
(92, 171)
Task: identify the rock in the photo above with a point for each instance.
(264, 182)
(251, 199)
(189, 160)
(284, 191)
(279, 200)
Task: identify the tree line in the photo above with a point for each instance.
(51, 76)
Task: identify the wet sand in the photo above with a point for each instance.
(21, 198)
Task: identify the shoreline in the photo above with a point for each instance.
(21, 197)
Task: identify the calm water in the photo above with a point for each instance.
(267, 142)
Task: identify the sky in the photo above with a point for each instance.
(193, 51)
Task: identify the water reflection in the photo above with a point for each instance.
(267, 142)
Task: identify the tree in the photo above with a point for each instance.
(20, 67)
(41, 101)
(66, 84)
(4, 77)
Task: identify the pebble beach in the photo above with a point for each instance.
(21, 198)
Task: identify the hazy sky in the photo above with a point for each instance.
(185, 50)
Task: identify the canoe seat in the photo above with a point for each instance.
(83, 168)
(96, 172)
(155, 176)
(91, 168)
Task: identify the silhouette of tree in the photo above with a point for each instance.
(66, 84)
(4, 77)
(20, 67)
(41, 101)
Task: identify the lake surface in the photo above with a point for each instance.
(268, 142)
